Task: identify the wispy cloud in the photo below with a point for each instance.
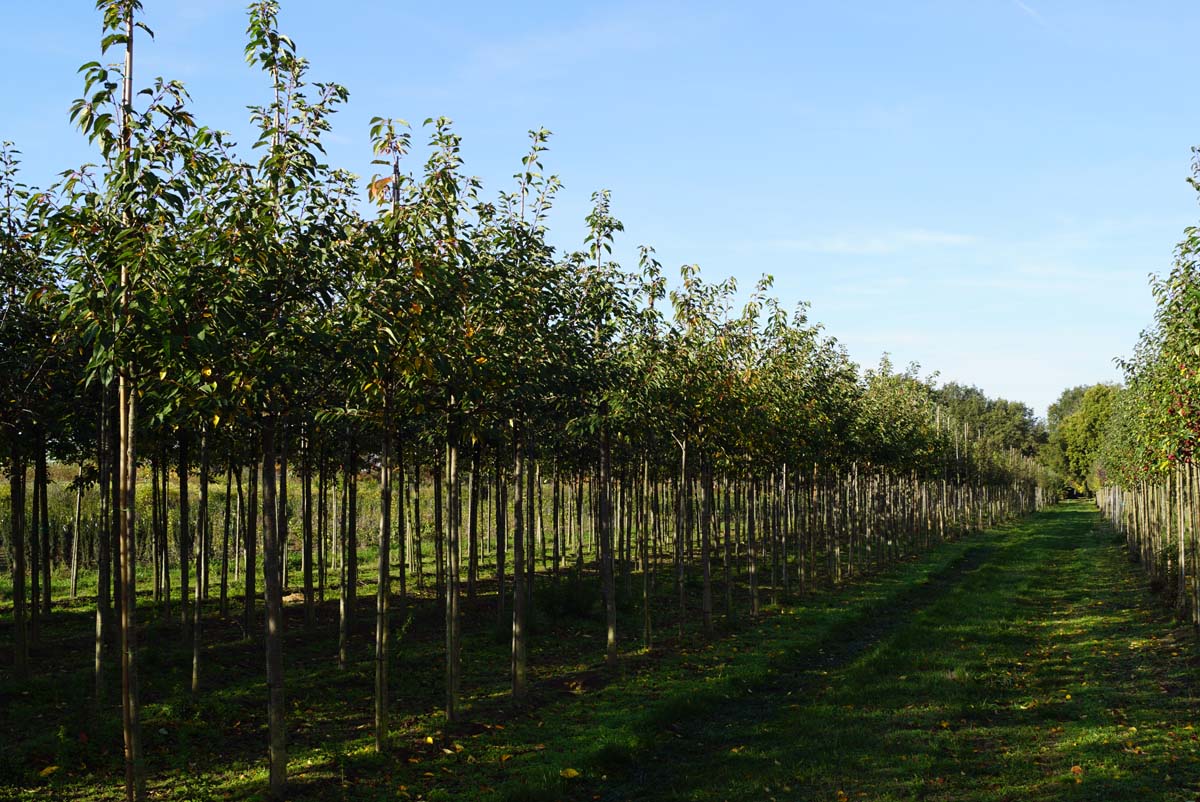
(585, 40)
(1030, 12)
(874, 244)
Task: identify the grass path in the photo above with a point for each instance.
(1032, 666)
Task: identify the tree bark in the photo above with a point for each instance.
(606, 544)
(519, 622)
(16, 495)
(251, 545)
(383, 593)
(454, 521)
(185, 534)
(274, 619)
(201, 561)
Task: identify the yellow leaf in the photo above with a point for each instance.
(569, 774)
(429, 740)
(505, 758)
(46, 772)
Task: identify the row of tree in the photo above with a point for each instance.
(1144, 436)
(178, 309)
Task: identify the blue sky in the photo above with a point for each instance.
(980, 186)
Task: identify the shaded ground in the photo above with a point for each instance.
(1024, 663)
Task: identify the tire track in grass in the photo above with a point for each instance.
(686, 729)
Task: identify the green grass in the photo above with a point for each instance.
(1023, 663)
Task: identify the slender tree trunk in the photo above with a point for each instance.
(644, 527)
(752, 514)
(185, 535)
(306, 530)
(518, 630)
(281, 514)
(135, 780)
(156, 503)
(103, 552)
(418, 533)
(706, 517)
(274, 618)
(501, 535)
(401, 523)
(322, 526)
(35, 549)
(164, 479)
(75, 533)
(383, 592)
(473, 480)
(16, 495)
(201, 562)
(725, 514)
(251, 546)
(352, 534)
(344, 598)
(114, 508)
(606, 544)
(439, 532)
(680, 533)
(225, 541)
(556, 515)
(454, 519)
(530, 530)
(44, 535)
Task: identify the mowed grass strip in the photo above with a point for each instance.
(1046, 671)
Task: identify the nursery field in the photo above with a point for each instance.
(327, 483)
(1024, 662)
